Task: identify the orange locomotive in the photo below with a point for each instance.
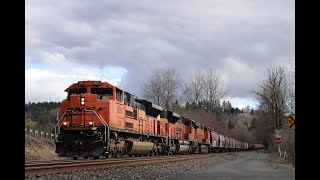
(99, 119)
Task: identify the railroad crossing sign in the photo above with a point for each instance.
(291, 121)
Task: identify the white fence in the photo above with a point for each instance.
(39, 134)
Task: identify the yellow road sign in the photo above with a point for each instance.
(291, 121)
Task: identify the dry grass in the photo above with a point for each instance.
(39, 149)
(278, 162)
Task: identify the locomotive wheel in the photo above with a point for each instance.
(109, 155)
(116, 154)
(96, 157)
(75, 158)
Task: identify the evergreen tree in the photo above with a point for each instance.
(230, 125)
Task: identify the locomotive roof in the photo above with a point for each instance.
(91, 83)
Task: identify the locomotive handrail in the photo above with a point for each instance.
(104, 123)
(55, 128)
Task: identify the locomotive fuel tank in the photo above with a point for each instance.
(184, 142)
(139, 148)
(183, 149)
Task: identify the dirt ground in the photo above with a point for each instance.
(39, 149)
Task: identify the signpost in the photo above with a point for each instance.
(291, 121)
(278, 133)
(278, 136)
(278, 139)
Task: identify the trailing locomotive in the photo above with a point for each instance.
(99, 119)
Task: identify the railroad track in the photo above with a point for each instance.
(41, 168)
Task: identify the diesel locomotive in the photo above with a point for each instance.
(99, 119)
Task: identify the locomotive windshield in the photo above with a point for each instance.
(102, 91)
(78, 91)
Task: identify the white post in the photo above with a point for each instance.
(279, 149)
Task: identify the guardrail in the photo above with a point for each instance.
(40, 134)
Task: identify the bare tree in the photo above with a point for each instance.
(291, 86)
(153, 90)
(162, 86)
(213, 90)
(273, 95)
(194, 89)
(247, 109)
(205, 88)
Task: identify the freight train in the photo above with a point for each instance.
(99, 119)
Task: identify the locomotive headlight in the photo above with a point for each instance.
(82, 100)
(65, 123)
(90, 123)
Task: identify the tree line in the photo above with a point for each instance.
(41, 115)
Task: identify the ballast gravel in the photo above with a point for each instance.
(153, 171)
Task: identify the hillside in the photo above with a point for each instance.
(39, 149)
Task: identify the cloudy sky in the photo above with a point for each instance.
(122, 41)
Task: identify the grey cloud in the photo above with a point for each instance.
(189, 36)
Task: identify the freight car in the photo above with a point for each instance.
(257, 146)
(99, 119)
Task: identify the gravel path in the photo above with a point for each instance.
(253, 165)
(156, 171)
